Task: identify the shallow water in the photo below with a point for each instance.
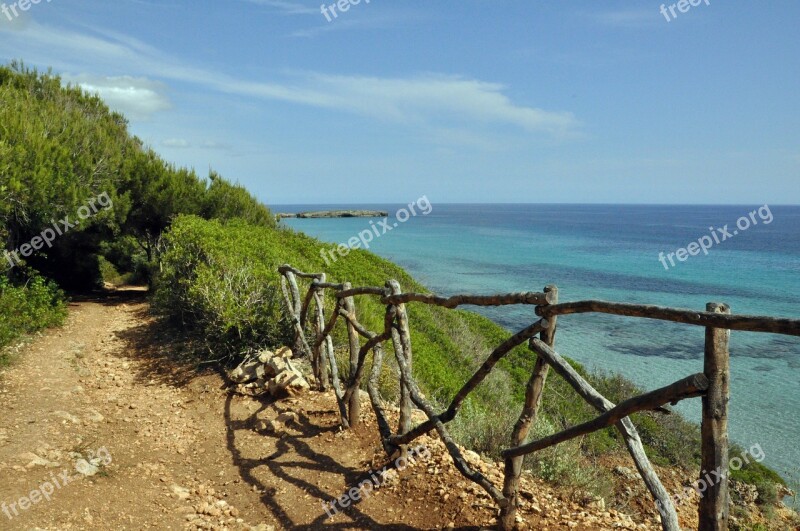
(611, 252)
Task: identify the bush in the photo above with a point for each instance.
(208, 282)
(766, 481)
(569, 465)
(28, 306)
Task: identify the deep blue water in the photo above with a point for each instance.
(612, 252)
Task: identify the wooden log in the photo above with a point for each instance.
(466, 299)
(329, 285)
(669, 517)
(458, 458)
(354, 383)
(480, 375)
(402, 340)
(300, 343)
(361, 291)
(332, 321)
(689, 387)
(286, 268)
(374, 396)
(354, 407)
(750, 323)
(358, 327)
(295, 291)
(329, 358)
(715, 501)
(321, 345)
(306, 305)
(530, 411)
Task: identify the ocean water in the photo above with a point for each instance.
(612, 252)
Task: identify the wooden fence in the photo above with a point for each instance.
(712, 385)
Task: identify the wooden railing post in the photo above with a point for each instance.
(323, 348)
(291, 295)
(714, 501)
(404, 336)
(354, 407)
(530, 411)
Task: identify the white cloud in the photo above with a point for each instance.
(625, 18)
(287, 7)
(176, 143)
(137, 98)
(182, 143)
(426, 101)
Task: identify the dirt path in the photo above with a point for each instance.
(108, 424)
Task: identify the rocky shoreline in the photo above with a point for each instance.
(335, 214)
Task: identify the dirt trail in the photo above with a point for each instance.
(113, 402)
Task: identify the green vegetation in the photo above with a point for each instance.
(27, 307)
(221, 279)
(60, 148)
(211, 250)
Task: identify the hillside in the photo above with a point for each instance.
(210, 251)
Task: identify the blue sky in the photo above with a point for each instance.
(462, 101)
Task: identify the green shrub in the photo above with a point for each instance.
(28, 306)
(766, 481)
(569, 465)
(208, 281)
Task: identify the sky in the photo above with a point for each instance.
(458, 100)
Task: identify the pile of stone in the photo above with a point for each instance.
(268, 372)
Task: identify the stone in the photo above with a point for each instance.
(264, 356)
(94, 416)
(288, 417)
(67, 416)
(289, 382)
(180, 492)
(246, 371)
(32, 460)
(85, 468)
(284, 352)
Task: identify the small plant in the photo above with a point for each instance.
(28, 305)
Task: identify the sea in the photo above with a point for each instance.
(751, 261)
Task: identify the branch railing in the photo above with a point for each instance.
(712, 385)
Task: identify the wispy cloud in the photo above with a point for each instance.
(286, 7)
(182, 143)
(429, 101)
(137, 98)
(176, 143)
(624, 18)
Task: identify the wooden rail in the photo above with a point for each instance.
(313, 339)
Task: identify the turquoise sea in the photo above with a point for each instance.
(612, 252)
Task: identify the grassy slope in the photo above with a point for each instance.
(448, 345)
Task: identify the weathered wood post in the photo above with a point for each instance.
(530, 410)
(295, 293)
(321, 351)
(354, 407)
(714, 501)
(293, 305)
(404, 334)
